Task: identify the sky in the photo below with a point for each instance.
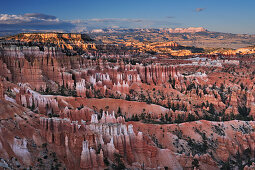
(233, 16)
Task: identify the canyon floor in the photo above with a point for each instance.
(68, 101)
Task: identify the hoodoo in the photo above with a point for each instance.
(70, 102)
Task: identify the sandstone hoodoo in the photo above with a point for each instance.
(70, 102)
(1, 90)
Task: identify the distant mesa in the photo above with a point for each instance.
(187, 30)
(169, 30)
(54, 36)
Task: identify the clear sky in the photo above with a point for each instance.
(235, 16)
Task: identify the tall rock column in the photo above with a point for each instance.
(85, 156)
(1, 91)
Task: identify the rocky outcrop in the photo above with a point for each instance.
(89, 110)
(89, 159)
(63, 40)
(19, 147)
(83, 113)
(103, 138)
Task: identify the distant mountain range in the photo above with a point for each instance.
(193, 36)
(75, 43)
(169, 30)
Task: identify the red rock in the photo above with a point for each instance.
(1, 91)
